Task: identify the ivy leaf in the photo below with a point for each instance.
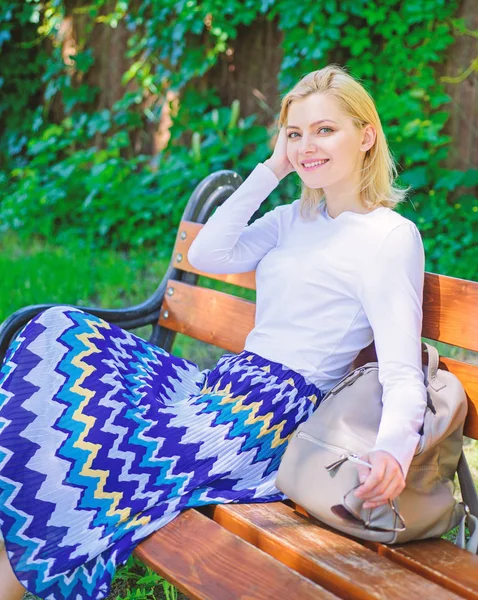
(450, 181)
(438, 99)
(416, 177)
(178, 31)
(337, 18)
(89, 199)
(5, 36)
(470, 178)
(131, 72)
(417, 93)
(265, 5)
(83, 60)
(412, 127)
(330, 6)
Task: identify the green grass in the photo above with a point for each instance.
(135, 581)
(471, 453)
(36, 272)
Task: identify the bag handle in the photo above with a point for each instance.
(433, 361)
(472, 522)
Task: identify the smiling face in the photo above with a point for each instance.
(324, 144)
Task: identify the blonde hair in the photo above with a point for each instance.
(378, 170)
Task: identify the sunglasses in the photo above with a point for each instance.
(346, 513)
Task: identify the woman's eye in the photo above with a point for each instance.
(294, 134)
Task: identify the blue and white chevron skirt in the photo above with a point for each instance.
(105, 438)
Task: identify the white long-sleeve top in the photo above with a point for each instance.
(325, 289)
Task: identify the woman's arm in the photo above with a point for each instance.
(392, 297)
(225, 244)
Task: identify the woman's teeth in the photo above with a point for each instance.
(314, 164)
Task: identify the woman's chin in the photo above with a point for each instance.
(313, 183)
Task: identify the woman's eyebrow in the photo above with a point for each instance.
(314, 124)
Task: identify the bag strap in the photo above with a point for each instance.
(471, 522)
(467, 486)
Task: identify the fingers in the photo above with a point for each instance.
(363, 473)
(392, 491)
(385, 481)
(368, 489)
(281, 142)
(279, 162)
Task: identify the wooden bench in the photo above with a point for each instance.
(272, 551)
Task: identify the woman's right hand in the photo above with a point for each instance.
(278, 163)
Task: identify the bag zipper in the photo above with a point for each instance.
(348, 380)
(344, 454)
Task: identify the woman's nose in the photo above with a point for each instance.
(307, 145)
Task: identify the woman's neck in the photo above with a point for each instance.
(339, 201)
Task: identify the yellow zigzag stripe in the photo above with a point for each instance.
(138, 520)
(89, 422)
(253, 409)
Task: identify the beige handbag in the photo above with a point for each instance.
(318, 469)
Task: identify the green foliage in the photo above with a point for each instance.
(20, 88)
(81, 177)
(134, 581)
(71, 191)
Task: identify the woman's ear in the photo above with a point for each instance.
(369, 135)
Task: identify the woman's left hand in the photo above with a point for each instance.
(383, 482)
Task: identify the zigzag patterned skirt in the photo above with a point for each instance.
(105, 438)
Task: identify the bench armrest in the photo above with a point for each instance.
(146, 313)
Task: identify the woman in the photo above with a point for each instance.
(105, 438)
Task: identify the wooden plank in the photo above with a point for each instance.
(468, 375)
(450, 307)
(187, 232)
(207, 562)
(440, 561)
(342, 565)
(213, 317)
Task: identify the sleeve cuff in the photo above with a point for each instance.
(401, 447)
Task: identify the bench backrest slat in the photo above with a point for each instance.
(186, 234)
(450, 308)
(450, 311)
(207, 315)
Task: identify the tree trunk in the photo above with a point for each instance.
(463, 122)
(109, 46)
(249, 70)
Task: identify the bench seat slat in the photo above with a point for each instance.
(343, 565)
(440, 561)
(207, 562)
